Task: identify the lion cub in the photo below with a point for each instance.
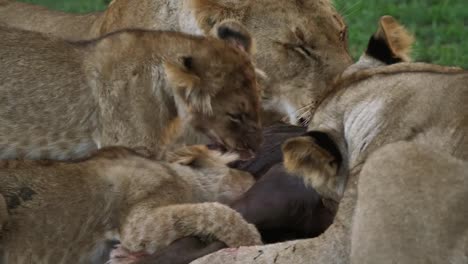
(301, 45)
(59, 211)
(60, 100)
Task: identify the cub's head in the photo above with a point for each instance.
(300, 44)
(216, 83)
(222, 183)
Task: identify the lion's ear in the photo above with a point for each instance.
(316, 159)
(391, 43)
(235, 34)
(184, 80)
(210, 12)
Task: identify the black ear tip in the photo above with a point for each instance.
(324, 141)
(225, 32)
(188, 62)
(379, 49)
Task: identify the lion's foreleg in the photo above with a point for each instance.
(148, 229)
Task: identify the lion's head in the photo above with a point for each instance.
(300, 44)
(217, 83)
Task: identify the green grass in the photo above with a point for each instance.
(440, 26)
(78, 6)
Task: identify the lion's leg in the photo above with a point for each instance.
(149, 229)
(412, 207)
(182, 251)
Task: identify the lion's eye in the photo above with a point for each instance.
(304, 50)
(235, 117)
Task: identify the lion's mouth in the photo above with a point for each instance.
(219, 145)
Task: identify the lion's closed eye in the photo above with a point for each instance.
(304, 50)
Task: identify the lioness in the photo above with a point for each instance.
(391, 145)
(301, 44)
(61, 100)
(59, 211)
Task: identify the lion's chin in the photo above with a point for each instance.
(244, 154)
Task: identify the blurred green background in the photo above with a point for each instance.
(440, 26)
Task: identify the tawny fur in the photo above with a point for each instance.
(423, 108)
(411, 207)
(402, 131)
(133, 88)
(301, 45)
(59, 211)
(362, 75)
